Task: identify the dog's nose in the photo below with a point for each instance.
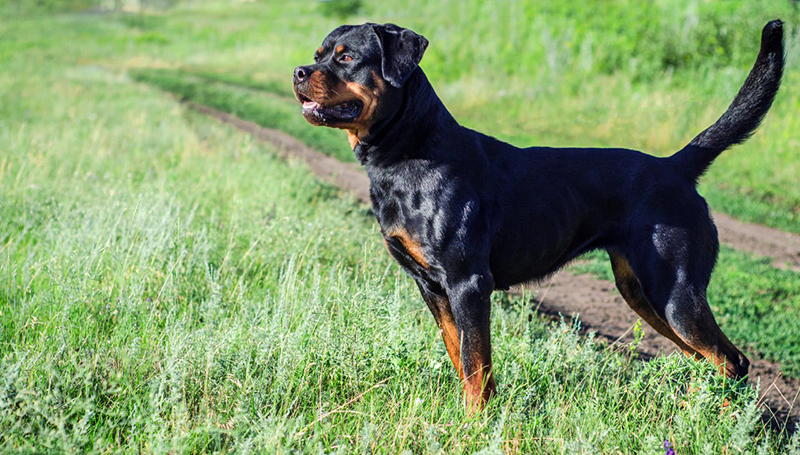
(301, 73)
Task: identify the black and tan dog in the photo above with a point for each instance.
(465, 214)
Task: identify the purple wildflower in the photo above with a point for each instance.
(668, 448)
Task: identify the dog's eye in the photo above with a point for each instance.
(346, 58)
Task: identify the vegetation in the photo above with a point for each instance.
(169, 285)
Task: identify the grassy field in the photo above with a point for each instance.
(168, 285)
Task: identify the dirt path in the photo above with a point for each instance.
(598, 303)
(782, 247)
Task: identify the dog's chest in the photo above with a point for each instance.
(408, 212)
(404, 236)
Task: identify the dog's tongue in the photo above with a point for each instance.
(310, 105)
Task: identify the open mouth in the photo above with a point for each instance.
(340, 112)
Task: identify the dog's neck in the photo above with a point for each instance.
(404, 135)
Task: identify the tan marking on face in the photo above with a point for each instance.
(319, 51)
(412, 246)
(322, 90)
(340, 48)
(318, 82)
(370, 99)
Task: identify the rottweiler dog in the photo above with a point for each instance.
(465, 214)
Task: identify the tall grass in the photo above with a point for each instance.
(169, 285)
(179, 289)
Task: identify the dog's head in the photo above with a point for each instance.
(357, 76)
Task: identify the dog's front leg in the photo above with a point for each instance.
(470, 299)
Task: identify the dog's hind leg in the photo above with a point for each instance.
(630, 289)
(673, 264)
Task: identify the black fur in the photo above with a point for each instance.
(465, 213)
(746, 111)
(406, 49)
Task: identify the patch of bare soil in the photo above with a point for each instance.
(782, 247)
(597, 303)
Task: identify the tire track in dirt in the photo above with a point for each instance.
(600, 307)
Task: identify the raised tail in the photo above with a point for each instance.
(745, 112)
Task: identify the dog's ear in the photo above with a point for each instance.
(401, 52)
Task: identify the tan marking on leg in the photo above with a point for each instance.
(412, 246)
(721, 352)
(440, 307)
(705, 337)
(480, 385)
(726, 364)
(450, 335)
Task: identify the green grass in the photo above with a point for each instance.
(168, 285)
